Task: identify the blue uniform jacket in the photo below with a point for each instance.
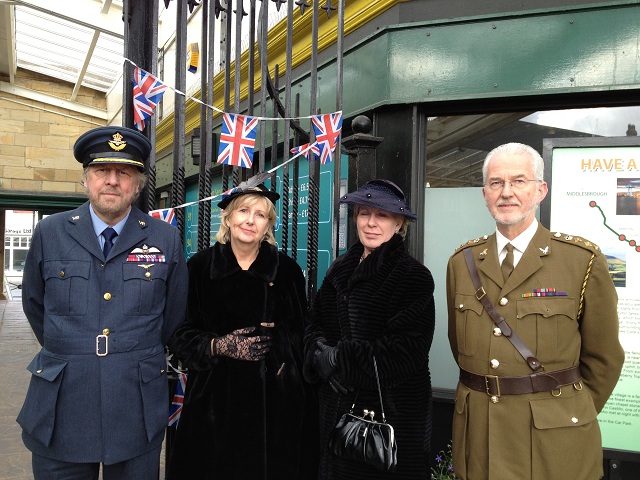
(98, 391)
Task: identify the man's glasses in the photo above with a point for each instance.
(517, 184)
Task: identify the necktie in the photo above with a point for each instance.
(109, 234)
(507, 263)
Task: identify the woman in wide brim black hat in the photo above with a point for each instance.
(376, 300)
(247, 410)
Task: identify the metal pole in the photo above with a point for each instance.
(177, 186)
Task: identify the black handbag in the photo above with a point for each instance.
(363, 439)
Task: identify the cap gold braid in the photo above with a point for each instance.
(135, 163)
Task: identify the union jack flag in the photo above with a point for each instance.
(305, 149)
(327, 128)
(237, 140)
(147, 93)
(178, 400)
(166, 215)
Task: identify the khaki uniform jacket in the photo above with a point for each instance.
(534, 436)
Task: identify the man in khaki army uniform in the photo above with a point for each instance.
(529, 416)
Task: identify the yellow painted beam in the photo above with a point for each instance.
(356, 14)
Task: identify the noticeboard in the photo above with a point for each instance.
(594, 192)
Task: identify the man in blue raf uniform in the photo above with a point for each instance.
(104, 288)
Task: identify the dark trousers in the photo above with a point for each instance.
(143, 467)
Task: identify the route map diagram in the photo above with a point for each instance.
(621, 237)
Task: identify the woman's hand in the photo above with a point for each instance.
(238, 346)
(325, 359)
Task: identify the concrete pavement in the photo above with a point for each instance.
(18, 345)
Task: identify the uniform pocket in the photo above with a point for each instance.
(460, 422)
(145, 287)
(38, 413)
(547, 325)
(468, 312)
(67, 282)
(155, 393)
(568, 420)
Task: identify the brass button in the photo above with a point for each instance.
(495, 363)
(574, 419)
(497, 332)
(461, 306)
(107, 296)
(106, 331)
(62, 273)
(39, 371)
(147, 274)
(504, 301)
(494, 399)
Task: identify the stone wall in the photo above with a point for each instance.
(36, 139)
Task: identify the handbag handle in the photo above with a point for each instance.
(375, 369)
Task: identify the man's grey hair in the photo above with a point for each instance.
(516, 149)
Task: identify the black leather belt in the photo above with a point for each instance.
(534, 383)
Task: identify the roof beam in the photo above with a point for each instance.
(44, 7)
(8, 34)
(85, 65)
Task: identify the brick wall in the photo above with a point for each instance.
(36, 139)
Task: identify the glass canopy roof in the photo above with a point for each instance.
(58, 48)
(78, 51)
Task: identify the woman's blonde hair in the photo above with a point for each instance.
(404, 221)
(224, 234)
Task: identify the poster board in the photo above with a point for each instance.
(594, 192)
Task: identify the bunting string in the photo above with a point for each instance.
(251, 182)
(212, 107)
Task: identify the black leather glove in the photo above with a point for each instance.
(240, 347)
(325, 359)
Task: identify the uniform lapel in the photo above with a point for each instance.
(530, 261)
(487, 260)
(133, 233)
(80, 228)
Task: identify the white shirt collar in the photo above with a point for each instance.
(520, 243)
(99, 225)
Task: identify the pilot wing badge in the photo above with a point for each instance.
(146, 254)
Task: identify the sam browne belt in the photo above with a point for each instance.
(516, 385)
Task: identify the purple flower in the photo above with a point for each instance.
(439, 458)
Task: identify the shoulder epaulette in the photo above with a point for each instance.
(578, 241)
(471, 243)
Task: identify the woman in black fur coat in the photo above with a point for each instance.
(375, 300)
(248, 413)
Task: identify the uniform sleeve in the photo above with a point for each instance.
(33, 285)
(451, 292)
(601, 354)
(176, 293)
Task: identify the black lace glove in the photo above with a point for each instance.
(240, 347)
(325, 359)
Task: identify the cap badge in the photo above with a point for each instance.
(117, 143)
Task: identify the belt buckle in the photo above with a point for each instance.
(106, 345)
(486, 384)
(480, 293)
